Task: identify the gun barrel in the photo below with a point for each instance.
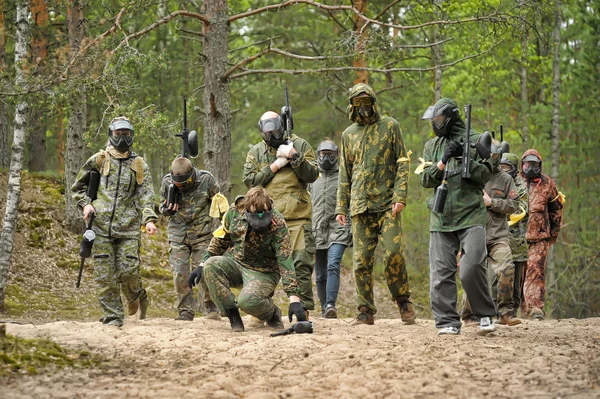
(282, 332)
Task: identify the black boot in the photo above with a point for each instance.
(275, 320)
(233, 314)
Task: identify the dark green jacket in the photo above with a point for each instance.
(464, 206)
(505, 201)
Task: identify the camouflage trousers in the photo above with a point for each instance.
(116, 270)
(223, 273)
(520, 267)
(179, 258)
(534, 288)
(367, 230)
(303, 256)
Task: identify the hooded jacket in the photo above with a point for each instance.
(373, 162)
(545, 206)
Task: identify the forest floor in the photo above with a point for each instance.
(160, 357)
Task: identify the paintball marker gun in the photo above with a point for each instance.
(302, 327)
(286, 114)
(87, 242)
(189, 145)
(173, 197)
(483, 147)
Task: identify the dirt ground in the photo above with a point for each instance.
(158, 358)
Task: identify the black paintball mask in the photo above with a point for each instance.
(121, 142)
(442, 117)
(327, 161)
(272, 130)
(532, 171)
(260, 221)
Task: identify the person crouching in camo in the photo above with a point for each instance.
(125, 201)
(189, 229)
(251, 250)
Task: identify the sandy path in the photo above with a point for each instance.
(161, 358)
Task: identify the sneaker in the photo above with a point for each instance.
(255, 322)
(275, 321)
(330, 312)
(101, 320)
(115, 322)
(486, 325)
(213, 312)
(509, 320)
(185, 316)
(144, 307)
(365, 316)
(470, 321)
(407, 312)
(449, 331)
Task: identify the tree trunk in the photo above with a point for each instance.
(60, 139)
(13, 195)
(217, 117)
(361, 41)
(4, 149)
(437, 54)
(39, 55)
(524, 93)
(75, 151)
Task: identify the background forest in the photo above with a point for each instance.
(69, 66)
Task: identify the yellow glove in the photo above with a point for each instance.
(516, 217)
(219, 206)
(422, 166)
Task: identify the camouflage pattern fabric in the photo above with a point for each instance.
(116, 270)
(179, 258)
(367, 230)
(373, 165)
(534, 287)
(269, 252)
(503, 192)
(520, 267)
(223, 273)
(518, 231)
(501, 271)
(303, 257)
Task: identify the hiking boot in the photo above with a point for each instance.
(187, 316)
(115, 322)
(509, 320)
(233, 314)
(486, 326)
(449, 331)
(536, 314)
(132, 307)
(255, 322)
(330, 312)
(101, 320)
(275, 321)
(212, 311)
(407, 311)
(144, 307)
(365, 316)
(470, 321)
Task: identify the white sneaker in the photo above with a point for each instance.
(486, 325)
(449, 331)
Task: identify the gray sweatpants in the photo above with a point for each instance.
(443, 250)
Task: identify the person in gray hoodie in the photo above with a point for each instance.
(331, 238)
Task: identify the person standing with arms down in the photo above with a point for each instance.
(331, 238)
(460, 225)
(284, 165)
(125, 201)
(373, 186)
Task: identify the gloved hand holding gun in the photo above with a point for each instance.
(302, 327)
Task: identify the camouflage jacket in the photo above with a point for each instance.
(545, 206)
(323, 194)
(518, 231)
(125, 199)
(464, 206)
(373, 165)
(191, 220)
(270, 252)
(503, 192)
(287, 187)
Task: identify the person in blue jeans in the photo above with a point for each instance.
(331, 238)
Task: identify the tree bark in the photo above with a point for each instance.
(361, 42)
(13, 195)
(60, 139)
(556, 92)
(437, 54)
(39, 55)
(75, 151)
(524, 92)
(4, 148)
(217, 116)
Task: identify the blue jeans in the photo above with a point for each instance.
(327, 271)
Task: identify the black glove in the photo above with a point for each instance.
(297, 309)
(454, 149)
(166, 211)
(196, 276)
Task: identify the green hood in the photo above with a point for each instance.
(353, 112)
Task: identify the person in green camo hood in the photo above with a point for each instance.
(125, 202)
(373, 183)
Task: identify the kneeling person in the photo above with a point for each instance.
(259, 252)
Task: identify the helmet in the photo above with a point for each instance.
(122, 142)
(271, 129)
(442, 116)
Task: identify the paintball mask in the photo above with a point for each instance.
(259, 221)
(120, 134)
(532, 166)
(442, 116)
(328, 159)
(271, 129)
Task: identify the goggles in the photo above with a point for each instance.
(362, 101)
(182, 179)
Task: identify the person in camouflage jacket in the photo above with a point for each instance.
(189, 230)
(460, 225)
(545, 218)
(125, 202)
(373, 184)
(284, 168)
(251, 251)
